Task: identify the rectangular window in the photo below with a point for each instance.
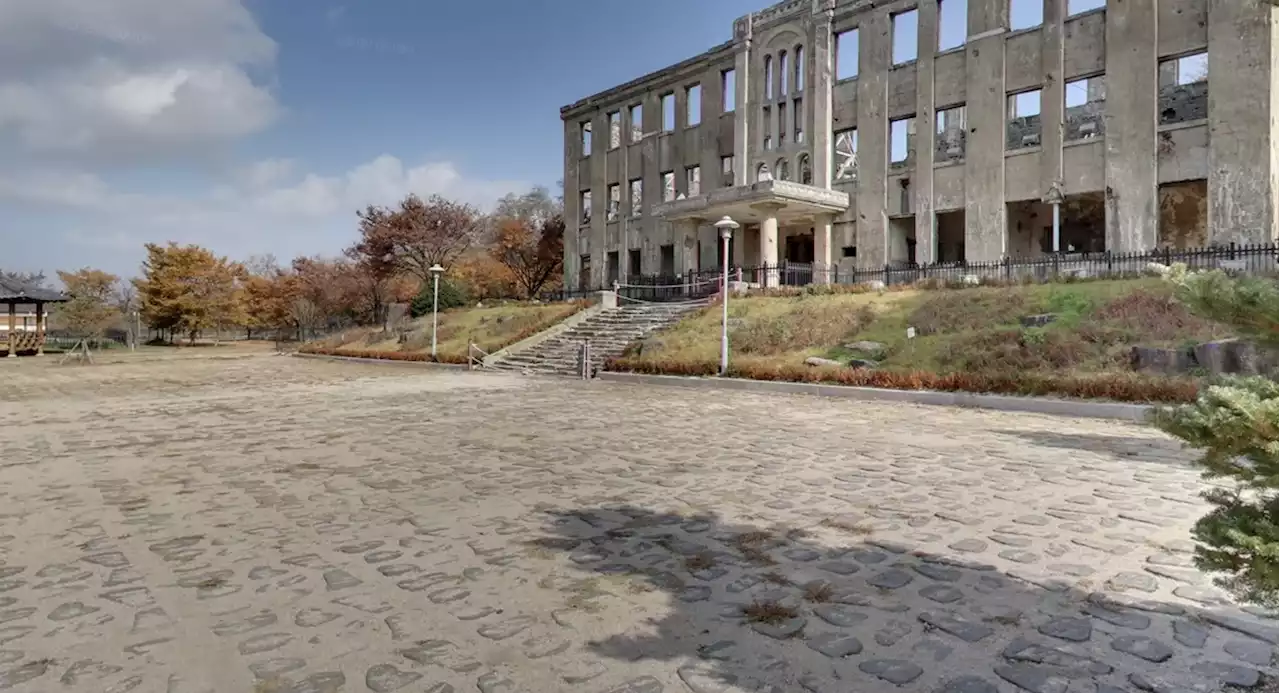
(637, 122)
(782, 125)
(797, 117)
(637, 196)
(950, 134)
(615, 129)
(693, 180)
(846, 154)
(726, 171)
(1184, 88)
(667, 260)
(1078, 6)
(1085, 101)
(953, 23)
(668, 112)
(611, 267)
(615, 202)
(584, 131)
(584, 272)
(728, 91)
(847, 54)
(668, 186)
(784, 71)
(693, 105)
(584, 202)
(902, 135)
(766, 127)
(768, 76)
(1024, 14)
(800, 68)
(905, 36)
(633, 262)
(1024, 120)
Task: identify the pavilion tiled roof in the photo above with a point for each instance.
(14, 292)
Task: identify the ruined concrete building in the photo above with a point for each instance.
(872, 132)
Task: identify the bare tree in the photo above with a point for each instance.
(422, 234)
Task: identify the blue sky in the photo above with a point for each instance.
(260, 126)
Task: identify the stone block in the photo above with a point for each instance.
(1155, 360)
(1037, 320)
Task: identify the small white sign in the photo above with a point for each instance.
(911, 333)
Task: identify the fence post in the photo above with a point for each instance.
(1108, 262)
(1008, 268)
(886, 275)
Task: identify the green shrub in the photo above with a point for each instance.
(452, 295)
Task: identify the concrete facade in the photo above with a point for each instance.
(1119, 113)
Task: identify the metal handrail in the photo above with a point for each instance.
(472, 361)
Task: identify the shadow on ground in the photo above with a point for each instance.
(752, 608)
(1166, 450)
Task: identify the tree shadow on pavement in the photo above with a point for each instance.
(1130, 448)
(739, 607)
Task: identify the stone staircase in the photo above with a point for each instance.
(610, 332)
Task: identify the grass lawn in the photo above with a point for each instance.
(973, 330)
(490, 328)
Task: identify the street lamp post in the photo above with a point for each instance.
(436, 270)
(726, 226)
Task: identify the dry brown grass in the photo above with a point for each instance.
(771, 613)
(818, 592)
(776, 578)
(752, 546)
(702, 561)
(847, 527)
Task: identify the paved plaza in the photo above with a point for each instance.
(274, 524)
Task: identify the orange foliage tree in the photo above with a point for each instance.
(90, 312)
(533, 254)
(187, 289)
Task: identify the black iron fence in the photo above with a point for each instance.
(1256, 259)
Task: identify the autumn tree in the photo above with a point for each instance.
(91, 310)
(420, 234)
(373, 261)
(533, 254)
(269, 299)
(188, 289)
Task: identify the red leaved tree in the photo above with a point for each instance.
(533, 254)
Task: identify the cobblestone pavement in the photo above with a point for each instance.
(288, 525)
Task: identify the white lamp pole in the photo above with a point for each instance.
(435, 270)
(726, 226)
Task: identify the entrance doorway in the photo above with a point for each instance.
(799, 248)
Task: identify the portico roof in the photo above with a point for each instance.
(787, 201)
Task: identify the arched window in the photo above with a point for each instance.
(782, 169)
(785, 73)
(806, 171)
(762, 173)
(768, 76)
(799, 81)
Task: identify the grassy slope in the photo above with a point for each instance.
(490, 328)
(959, 330)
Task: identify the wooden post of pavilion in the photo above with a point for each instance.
(12, 334)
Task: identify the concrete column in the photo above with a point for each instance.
(741, 116)
(687, 244)
(769, 247)
(599, 198)
(13, 329)
(926, 115)
(1052, 102)
(874, 59)
(1132, 206)
(818, 99)
(823, 263)
(39, 329)
(985, 229)
(571, 212)
(1244, 121)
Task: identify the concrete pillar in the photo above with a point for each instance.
(1053, 101)
(926, 115)
(823, 263)
(571, 212)
(1132, 207)
(39, 329)
(741, 118)
(13, 329)
(769, 246)
(985, 229)
(818, 99)
(687, 245)
(1244, 121)
(599, 198)
(874, 59)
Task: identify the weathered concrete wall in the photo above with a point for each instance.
(1243, 55)
(948, 188)
(1022, 66)
(1183, 26)
(1084, 45)
(1184, 214)
(984, 159)
(1183, 153)
(948, 78)
(922, 180)
(1022, 176)
(1085, 166)
(873, 142)
(1131, 131)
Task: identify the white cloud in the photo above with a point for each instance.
(266, 208)
(122, 80)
